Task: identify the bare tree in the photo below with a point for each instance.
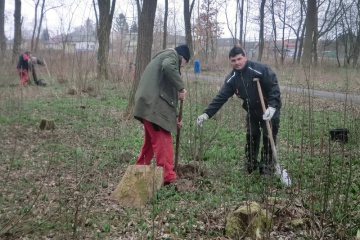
(282, 16)
(299, 36)
(261, 32)
(347, 35)
(35, 24)
(42, 12)
(188, 8)
(121, 25)
(302, 35)
(356, 45)
(17, 30)
(274, 29)
(2, 28)
(144, 44)
(232, 32)
(330, 13)
(139, 7)
(310, 22)
(208, 29)
(240, 7)
(104, 22)
(165, 23)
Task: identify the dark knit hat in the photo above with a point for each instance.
(184, 51)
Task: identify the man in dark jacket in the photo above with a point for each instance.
(156, 100)
(240, 82)
(24, 64)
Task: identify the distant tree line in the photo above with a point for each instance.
(306, 23)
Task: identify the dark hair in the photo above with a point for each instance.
(27, 52)
(236, 50)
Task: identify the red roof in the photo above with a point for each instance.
(287, 43)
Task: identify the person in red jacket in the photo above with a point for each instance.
(25, 62)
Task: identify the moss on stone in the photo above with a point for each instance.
(248, 221)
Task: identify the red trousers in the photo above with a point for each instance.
(24, 76)
(158, 142)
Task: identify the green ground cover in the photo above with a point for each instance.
(56, 183)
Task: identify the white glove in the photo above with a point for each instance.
(201, 119)
(269, 113)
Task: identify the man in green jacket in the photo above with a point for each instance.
(156, 99)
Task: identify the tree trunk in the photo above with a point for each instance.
(17, 30)
(274, 31)
(40, 24)
(2, 29)
(357, 40)
(310, 22)
(187, 19)
(337, 46)
(241, 15)
(283, 53)
(35, 25)
(301, 44)
(144, 46)
(261, 32)
(106, 14)
(298, 38)
(315, 41)
(165, 23)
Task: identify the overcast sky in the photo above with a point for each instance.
(68, 14)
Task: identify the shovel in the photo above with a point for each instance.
(178, 138)
(281, 173)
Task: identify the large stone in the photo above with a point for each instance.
(297, 222)
(138, 185)
(248, 221)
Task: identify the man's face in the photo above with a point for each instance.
(238, 62)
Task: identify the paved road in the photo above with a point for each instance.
(324, 94)
(300, 90)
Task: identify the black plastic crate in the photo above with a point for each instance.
(339, 134)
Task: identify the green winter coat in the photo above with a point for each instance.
(157, 96)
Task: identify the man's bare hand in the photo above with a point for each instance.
(179, 123)
(182, 94)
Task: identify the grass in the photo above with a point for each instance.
(57, 183)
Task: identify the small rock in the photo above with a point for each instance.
(47, 124)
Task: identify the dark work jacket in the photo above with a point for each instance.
(23, 62)
(241, 83)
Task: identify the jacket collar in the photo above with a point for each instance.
(244, 68)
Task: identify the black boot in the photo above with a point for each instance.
(251, 152)
(266, 163)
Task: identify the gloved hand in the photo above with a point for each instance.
(269, 113)
(201, 119)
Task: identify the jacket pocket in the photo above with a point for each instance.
(165, 107)
(168, 99)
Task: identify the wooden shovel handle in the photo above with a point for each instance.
(270, 135)
(178, 137)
